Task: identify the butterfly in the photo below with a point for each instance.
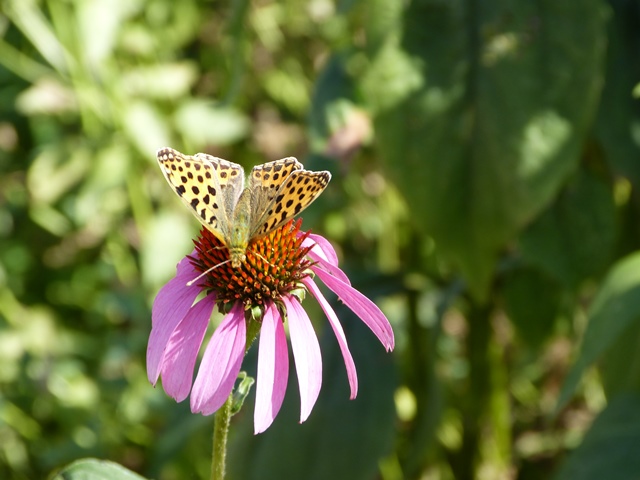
(214, 190)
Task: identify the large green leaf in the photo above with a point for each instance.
(574, 238)
(532, 302)
(94, 469)
(486, 139)
(610, 447)
(614, 310)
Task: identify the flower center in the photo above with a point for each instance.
(274, 266)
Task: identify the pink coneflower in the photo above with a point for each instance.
(267, 288)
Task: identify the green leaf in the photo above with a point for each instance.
(392, 77)
(145, 126)
(509, 92)
(332, 86)
(194, 120)
(619, 114)
(98, 39)
(163, 81)
(620, 364)
(532, 302)
(94, 469)
(31, 21)
(576, 236)
(615, 308)
(288, 86)
(240, 394)
(610, 447)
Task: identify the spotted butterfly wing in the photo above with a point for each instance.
(287, 198)
(213, 189)
(230, 179)
(264, 182)
(207, 185)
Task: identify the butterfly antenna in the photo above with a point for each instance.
(191, 282)
(216, 248)
(263, 259)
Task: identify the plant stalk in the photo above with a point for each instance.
(220, 434)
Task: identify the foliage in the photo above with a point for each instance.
(485, 194)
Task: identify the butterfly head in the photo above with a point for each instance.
(237, 256)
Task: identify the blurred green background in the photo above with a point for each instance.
(486, 162)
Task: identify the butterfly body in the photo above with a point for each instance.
(214, 190)
(239, 236)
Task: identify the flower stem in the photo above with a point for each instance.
(220, 433)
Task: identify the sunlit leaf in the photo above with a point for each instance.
(615, 308)
(94, 469)
(47, 96)
(98, 39)
(202, 123)
(480, 148)
(164, 81)
(146, 127)
(37, 28)
(289, 87)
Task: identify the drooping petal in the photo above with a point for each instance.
(273, 370)
(182, 349)
(169, 307)
(306, 353)
(322, 248)
(325, 256)
(220, 364)
(364, 308)
(352, 375)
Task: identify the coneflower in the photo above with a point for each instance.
(268, 288)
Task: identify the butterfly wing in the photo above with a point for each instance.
(230, 178)
(265, 181)
(208, 185)
(286, 196)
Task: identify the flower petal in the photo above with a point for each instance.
(325, 256)
(183, 347)
(169, 307)
(306, 353)
(322, 248)
(368, 311)
(352, 375)
(273, 370)
(220, 364)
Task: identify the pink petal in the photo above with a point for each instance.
(352, 375)
(306, 353)
(368, 311)
(323, 253)
(273, 370)
(169, 307)
(183, 347)
(220, 364)
(322, 248)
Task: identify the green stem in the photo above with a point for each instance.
(220, 434)
(223, 416)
